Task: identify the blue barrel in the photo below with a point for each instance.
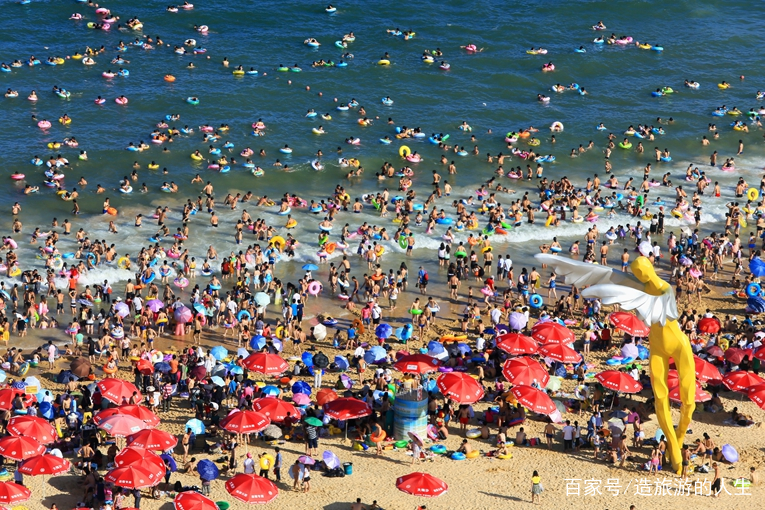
(410, 414)
(348, 467)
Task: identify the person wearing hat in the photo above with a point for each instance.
(249, 464)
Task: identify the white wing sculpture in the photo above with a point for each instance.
(614, 287)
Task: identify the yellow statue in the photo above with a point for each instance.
(654, 302)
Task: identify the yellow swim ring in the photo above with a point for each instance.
(752, 194)
(404, 151)
(278, 241)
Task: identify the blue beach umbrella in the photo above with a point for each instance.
(207, 470)
(757, 267)
(310, 267)
(307, 359)
(262, 299)
(342, 363)
(375, 354)
(46, 410)
(200, 308)
(219, 352)
(242, 352)
(270, 391)
(162, 367)
(217, 380)
(383, 331)
(756, 304)
(196, 426)
(257, 342)
(301, 387)
(170, 461)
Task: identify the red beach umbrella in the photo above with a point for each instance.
(347, 409)
(760, 354)
(19, 448)
(705, 371)
(265, 363)
(32, 426)
(534, 399)
(153, 439)
(673, 378)
(629, 323)
(122, 425)
(741, 380)
(245, 422)
(118, 390)
(252, 488)
(275, 408)
(136, 468)
(191, 500)
(421, 484)
(145, 366)
(560, 352)
(325, 396)
(132, 455)
(757, 394)
(715, 351)
(417, 364)
(7, 395)
(710, 325)
(525, 370)
(549, 332)
(517, 344)
(143, 413)
(736, 355)
(45, 464)
(701, 395)
(11, 492)
(459, 387)
(618, 381)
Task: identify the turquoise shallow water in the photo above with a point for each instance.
(493, 90)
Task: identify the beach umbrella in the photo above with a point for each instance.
(31, 426)
(191, 500)
(375, 354)
(534, 399)
(270, 391)
(153, 439)
(278, 344)
(80, 367)
(710, 325)
(560, 352)
(219, 352)
(301, 399)
(729, 453)
(464, 348)
(755, 304)
(11, 492)
(46, 410)
(421, 484)
(307, 358)
(20, 448)
(310, 267)
(342, 363)
(319, 332)
(217, 380)
(705, 371)
(404, 333)
(629, 323)
(346, 381)
(325, 395)
(275, 408)
(383, 331)
(257, 342)
(313, 421)
(121, 309)
(7, 396)
(618, 381)
(245, 422)
(757, 267)
(347, 408)
(272, 432)
(630, 350)
(517, 321)
(715, 351)
(252, 488)
(199, 308)
(306, 460)
(437, 350)
(516, 344)
(196, 425)
(265, 363)
(207, 470)
(756, 393)
(526, 371)
(118, 390)
(198, 372)
(417, 364)
(551, 333)
(141, 412)
(169, 462)
(616, 425)
(736, 355)
(262, 299)
(330, 460)
(155, 305)
(700, 395)
(741, 380)
(120, 425)
(459, 387)
(182, 314)
(301, 387)
(145, 366)
(136, 468)
(46, 464)
(320, 360)
(162, 367)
